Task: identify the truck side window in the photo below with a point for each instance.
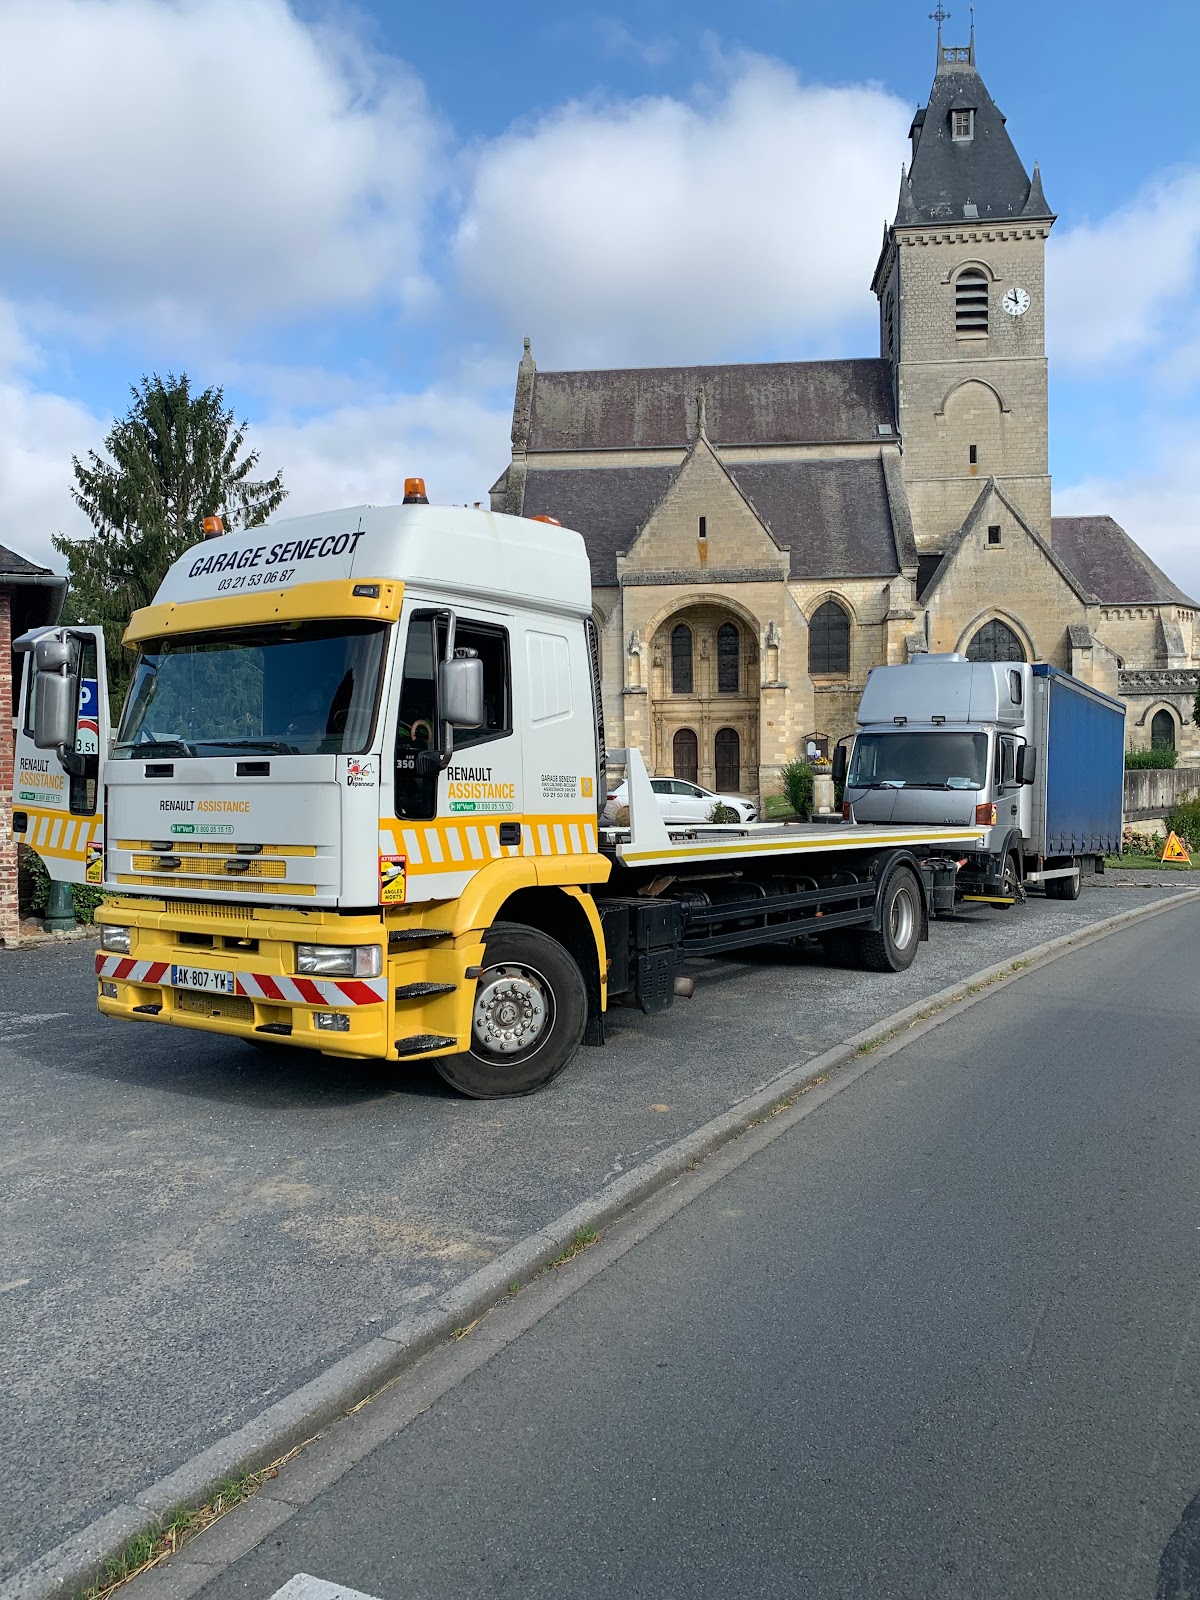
(1008, 763)
(82, 784)
(416, 723)
(491, 646)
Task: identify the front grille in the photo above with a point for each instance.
(248, 866)
(231, 1007)
(218, 848)
(206, 908)
(240, 882)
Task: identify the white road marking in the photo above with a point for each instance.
(305, 1587)
(13, 1283)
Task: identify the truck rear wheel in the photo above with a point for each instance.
(1066, 888)
(894, 947)
(527, 1019)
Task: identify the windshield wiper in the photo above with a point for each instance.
(276, 746)
(155, 747)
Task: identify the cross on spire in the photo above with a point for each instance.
(940, 15)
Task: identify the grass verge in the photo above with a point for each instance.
(1132, 863)
(148, 1549)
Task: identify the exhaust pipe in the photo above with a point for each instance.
(685, 988)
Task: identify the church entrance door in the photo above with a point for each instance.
(705, 699)
(727, 747)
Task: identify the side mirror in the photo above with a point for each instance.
(839, 763)
(52, 655)
(1026, 764)
(460, 691)
(54, 706)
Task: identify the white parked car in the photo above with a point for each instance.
(680, 801)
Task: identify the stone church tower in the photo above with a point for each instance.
(960, 283)
(762, 534)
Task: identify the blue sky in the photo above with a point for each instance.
(349, 216)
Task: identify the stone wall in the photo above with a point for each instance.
(1149, 793)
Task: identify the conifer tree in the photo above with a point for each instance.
(172, 460)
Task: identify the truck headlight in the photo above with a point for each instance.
(339, 960)
(114, 938)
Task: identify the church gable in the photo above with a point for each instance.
(998, 568)
(704, 529)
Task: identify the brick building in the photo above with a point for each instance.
(761, 535)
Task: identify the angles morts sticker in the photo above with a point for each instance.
(391, 880)
(93, 870)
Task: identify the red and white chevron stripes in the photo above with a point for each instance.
(259, 985)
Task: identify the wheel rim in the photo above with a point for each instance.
(903, 919)
(513, 1012)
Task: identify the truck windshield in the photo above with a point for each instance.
(905, 760)
(303, 688)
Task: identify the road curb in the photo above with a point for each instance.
(72, 1565)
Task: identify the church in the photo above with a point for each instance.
(761, 535)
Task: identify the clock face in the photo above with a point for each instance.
(1016, 301)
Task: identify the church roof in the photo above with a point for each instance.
(832, 516)
(607, 505)
(1109, 564)
(949, 176)
(757, 403)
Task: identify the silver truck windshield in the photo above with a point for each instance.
(304, 688)
(908, 760)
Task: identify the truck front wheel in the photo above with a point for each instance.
(527, 1019)
(894, 947)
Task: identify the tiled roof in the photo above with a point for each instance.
(12, 563)
(1108, 563)
(607, 505)
(832, 515)
(780, 402)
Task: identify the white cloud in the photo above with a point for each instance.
(657, 229)
(362, 453)
(1159, 508)
(1121, 287)
(39, 433)
(185, 158)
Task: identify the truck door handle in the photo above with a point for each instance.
(1012, 810)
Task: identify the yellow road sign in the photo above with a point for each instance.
(1173, 849)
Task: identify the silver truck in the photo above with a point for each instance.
(1029, 753)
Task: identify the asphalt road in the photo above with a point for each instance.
(190, 1229)
(937, 1340)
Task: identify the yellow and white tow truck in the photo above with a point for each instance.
(354, 803)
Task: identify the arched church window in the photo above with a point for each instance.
(681, 659)
(728, 654)
(995, 641)
(829, 640)
(1162, 731)
(685, 755)
(727, 749)
(971, 303)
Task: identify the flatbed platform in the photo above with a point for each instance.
(649, 840)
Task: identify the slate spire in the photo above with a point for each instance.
(964, 165)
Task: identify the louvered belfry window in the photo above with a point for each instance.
(971, 303)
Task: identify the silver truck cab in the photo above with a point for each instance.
(943, 740)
